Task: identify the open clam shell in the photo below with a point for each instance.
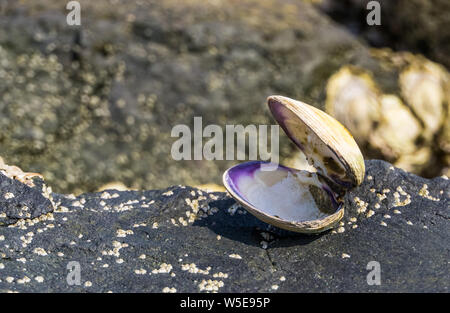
(299, 200)
(291, 199)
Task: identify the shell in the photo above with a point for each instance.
(328, 145)
(247, 183)
(422, 85)
(301, 200)
(397, 130)
(353, 98)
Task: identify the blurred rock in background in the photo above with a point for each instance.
(93, 104)
(420, 26)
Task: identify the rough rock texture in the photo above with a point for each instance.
(153, 241)
(92, 104)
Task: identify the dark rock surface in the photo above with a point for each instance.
(20, 201)
(135, 241)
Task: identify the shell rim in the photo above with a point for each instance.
(299, 227)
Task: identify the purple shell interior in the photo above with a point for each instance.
(242, 170)
(247, 169)
(279, 113)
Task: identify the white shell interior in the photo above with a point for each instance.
(281, 193)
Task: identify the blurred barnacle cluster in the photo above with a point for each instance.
(409, 123)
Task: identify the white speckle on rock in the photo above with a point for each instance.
(40, 251)
(426, 194)
(9, 195)
(163, 268)
(24, 280)
(264, 244)
(210, 285)
(397, 198)
(169, 290)
(362, 205)
(123, 233)
(192, 268)
(220, 275)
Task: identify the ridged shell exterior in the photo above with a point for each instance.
(331, 136)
